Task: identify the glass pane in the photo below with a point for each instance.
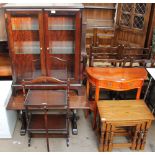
(61, 31)
(125, 19)
(25, 30)
(140, 8)
(24, 23)
(58, 68)
(61, 23)
(127, 7)
(61, 47)
(138, 22)
(27, 47)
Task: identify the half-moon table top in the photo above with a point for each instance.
(116, 74)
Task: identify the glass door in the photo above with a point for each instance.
(61, 29)
(27, 44)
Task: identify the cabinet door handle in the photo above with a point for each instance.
(41, 48)
(47, 48)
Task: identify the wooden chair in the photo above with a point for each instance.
(108, 56)
(104, 37)
(135, 56)
(47, 107)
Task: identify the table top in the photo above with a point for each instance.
(123, 110)
(46, 98)
(152, 72)
(116, 74)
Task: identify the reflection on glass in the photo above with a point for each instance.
(24, 23)
(61, 27)
(61, 23)
(27, 47)
(61, 47)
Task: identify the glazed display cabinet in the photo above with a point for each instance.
(38, 33)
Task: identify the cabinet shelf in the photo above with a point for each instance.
(61, 27)
(55, 123)
(27, 47)
(25, 28)
(24, 23)
(61, 50)
(61, 47)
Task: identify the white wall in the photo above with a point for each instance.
(3, 35)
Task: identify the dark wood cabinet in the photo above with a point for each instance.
(38, 33)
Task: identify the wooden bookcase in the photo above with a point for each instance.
(37, 33)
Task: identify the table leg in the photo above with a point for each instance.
(24, 124)
(135, 137)
(140, 135)
(74, 119)
(107, 134)
(87, 98)
(143, 142)
(97, 90)
(87, 89)
(102, 137)
(112, 130)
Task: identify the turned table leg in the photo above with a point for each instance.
(135, 137)
(143, 142)
(112, 130)
(102, 137)
(106, 141)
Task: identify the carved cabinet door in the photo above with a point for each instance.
(132, 23)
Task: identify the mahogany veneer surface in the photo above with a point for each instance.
(55, 122)
(5, 65)
(46, 97)
(116, 74)
(76, 102)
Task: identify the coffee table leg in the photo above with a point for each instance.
(97, 90)
(87, 97)
(135, 137)
(102, 137)
(146, 127)
(106, 141)
(140, 134)
(112, 130)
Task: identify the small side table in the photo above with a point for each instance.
(123, 113)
